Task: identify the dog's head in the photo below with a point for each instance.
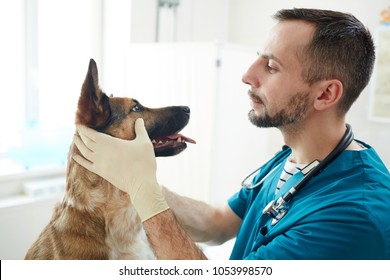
(116, 117)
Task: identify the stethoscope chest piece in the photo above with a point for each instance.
(276, 210)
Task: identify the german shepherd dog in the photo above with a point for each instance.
(95, 220)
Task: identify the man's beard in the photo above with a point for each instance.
(294, 112)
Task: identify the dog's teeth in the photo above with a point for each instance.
(160, 142)
(178, 140)
(154, 141)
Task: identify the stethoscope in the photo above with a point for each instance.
(277, 209)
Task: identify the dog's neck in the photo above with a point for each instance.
(86, 190)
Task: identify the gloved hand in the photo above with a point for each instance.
(128, 165)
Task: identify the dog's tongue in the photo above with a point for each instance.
(177, 136)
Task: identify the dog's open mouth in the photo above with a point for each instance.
(170, 145)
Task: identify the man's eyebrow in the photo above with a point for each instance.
(269, 57)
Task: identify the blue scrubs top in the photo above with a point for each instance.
(342, 213)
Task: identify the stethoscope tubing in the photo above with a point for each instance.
(277, 209)
(341, 146)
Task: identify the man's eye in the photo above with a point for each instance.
(137, 108)
(271, 69)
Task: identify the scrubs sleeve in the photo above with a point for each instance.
(238, 202)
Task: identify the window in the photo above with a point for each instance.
(45, 50)
(11, 71)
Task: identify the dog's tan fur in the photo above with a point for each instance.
(95, 220)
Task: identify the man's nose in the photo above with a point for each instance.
(251, 77)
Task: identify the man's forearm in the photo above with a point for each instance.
(169, 240)
(201, 221)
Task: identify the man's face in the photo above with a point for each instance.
(279, 95)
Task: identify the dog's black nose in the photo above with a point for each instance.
(186, 109)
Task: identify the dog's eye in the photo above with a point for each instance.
(137, 108)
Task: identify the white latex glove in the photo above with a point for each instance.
(128, 165)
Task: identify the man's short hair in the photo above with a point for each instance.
(341, 48)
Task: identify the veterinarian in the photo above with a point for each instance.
(310, 71)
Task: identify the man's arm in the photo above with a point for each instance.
(173, 233)
(203, 222)
(168, 240)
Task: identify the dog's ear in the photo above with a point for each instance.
(93, 109)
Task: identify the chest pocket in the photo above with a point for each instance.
(263, 237)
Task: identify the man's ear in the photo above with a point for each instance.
(93, 109)
(329, 93)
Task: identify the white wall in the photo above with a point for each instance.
(197, 20)
(251, 19)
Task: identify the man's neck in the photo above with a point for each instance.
(312, 142)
